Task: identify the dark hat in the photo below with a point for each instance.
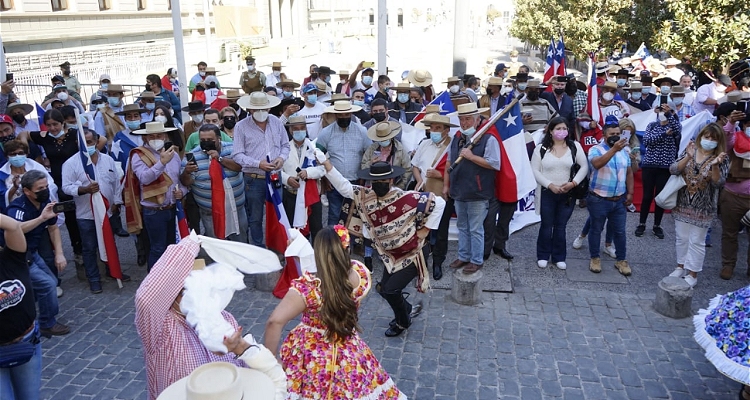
(65, 64)
(325, 70)
(623, 71)
(195, 106)
(250, 59)
(561, 79)
(278, 109)
(646, 80)
(520, 77)
(725, 109)
(98, 98)
(663, 79)
(380, 170)
(725, 80)
(500, 67)
(58, 78)
(611, 120)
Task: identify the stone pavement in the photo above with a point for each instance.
(552, 338)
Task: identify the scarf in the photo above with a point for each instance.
(154, 192)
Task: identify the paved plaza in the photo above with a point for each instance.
(553, 337)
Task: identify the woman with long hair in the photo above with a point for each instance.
(704, 165)
(162, 114)
(551, 163)
(323, 356)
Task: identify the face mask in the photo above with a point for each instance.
(559, 91)
(403, 98)
(113, 101)
(708, 144)
(436, 137)
(662, 117)
(621, 82)
(70, 126)
(453, 89)
(287, 94)
(468, 132)
(156, 144)
(160, 118)
(608, 96)
(626, 134)
(251, 68)
(533, 95)
(91, 150)
(506, 90)
(636, 95)
(380, 116)
(312, 98)
(328, 79)
(133, 125)
(559, 134)
(522, 86)
(276, 73)
(514, 59)
(230, 122)
(381, 188)
(198, 118)
(646, 90)
(343, 122)
(367, 80)
(385, 143)
(62, 96)
(678, 100)
(721, 89)
(360, 103)
(8, 138)
(150, 106)
(665, 89)
(202, 73)
(101, 106)
(148, 87)
(105, 86)
(208, 145)
(611, 79)
(612, 140)
(260, 115)
(17, 161)
(42, 196)
(299, 135)
(19, 118)
(584, 124)
(58, 135)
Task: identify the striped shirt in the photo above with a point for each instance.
(253, 145)
(609, 180)
(201, 187)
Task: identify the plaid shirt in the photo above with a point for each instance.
(686, 111)
(171, 348)
(609, 180)
(252, 144)
(579, 102)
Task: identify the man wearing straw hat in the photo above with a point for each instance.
(471, 185)
(231, 96)
(261, 145)
(18, 112)
(537, 111)
(287, 87)
(276, 75)
(402, 109)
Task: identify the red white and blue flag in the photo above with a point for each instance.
(550, 68)
(182, 229)
(560, 58)
(443, 100)
(223, 207)
(516, 178)
(40, 116)
(592, 100)
(307, 194)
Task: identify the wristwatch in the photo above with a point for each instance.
(220, 159)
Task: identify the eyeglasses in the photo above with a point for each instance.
(17, 153)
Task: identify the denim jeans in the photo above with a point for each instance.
(161, 230)
(599, 211)
(44, 283)
(23, 382)
(555, 210)
(335, 202)
(208, 223)
(470, 220)
(587, 226)
(255, 201)
(90, 246)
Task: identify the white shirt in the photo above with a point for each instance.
(312, 114)
(74, 177)
(707, 91)
(426, 153)
(294, 161)
(30, 165)
(272, 80)
(31, 126)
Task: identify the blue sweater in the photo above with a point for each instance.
(661, 149)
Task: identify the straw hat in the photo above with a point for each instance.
(420, 77)
(27, 108)
(602, 67)
(338, 97)
(634, 86)
(625, 61)
(671, 61)
(402, 87)
(469, 109)
(288, 82)
(258, 101)
(342, 107)
(210, 70)
(535, 84)
(609, 85)
(432, 108)
(453, 79)
(231, 94)
(677, 90)
(296, 120)
(115, 88)
(221, 380)
(384, 130)
(495, 81)
(438, 119)
(343, 72)
(153, 128)
(276, 64)
(131, 108)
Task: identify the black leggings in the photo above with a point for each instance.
(654, 180)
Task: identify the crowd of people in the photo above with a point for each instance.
(317, 143)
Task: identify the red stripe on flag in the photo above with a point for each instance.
(218, 199)
(276, 240)
(506, 187)
(113, 258)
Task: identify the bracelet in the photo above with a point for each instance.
(237, 356)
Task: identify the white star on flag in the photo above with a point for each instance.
(510, 120)
(116, 149)
(440, 108)
(550, 53)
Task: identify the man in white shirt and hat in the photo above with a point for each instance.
(18, 112)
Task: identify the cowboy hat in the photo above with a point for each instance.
(469, 109)
(521, 77)
(321, 86)
(341, 107)
(624, 61)
(613, 69)
(677, 90)
(258, 101)
(402, 87)
(27, 108)
(602, 67)
(324, 70)
(153, 128)
(671, 61)
(420, 77)
(195, 106)
(661, 79)
(380, 170)
(635, 85)
(221, 380)
(623, 71)
(495, 81)
(336, 97)
(343, 72)
(131, 108)
(384, 130)
(423, 124)
(453, 79)
(296, 120)
(432, 108)
(276, 64)
(210, 70)
(115, 88)
(656, 67)
(230, 94)
(609, 85)
(287, 82)
(149, 95)
(438, 119)
(535, 84)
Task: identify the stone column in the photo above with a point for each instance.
(286, 18)
(275, 10)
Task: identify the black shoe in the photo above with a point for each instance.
(122, 233)
(368, 263)
(437, 271)
(142, 260)
(640, 230)
(503, 253)
(125, 277)
(658, 232)
(95, 287)
(394, 331)
(486, 257)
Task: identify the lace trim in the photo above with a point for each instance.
(372, 396)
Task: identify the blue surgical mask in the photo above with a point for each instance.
(436, 137)
(133, 125)
(621, 82)
(59, 134)
(101, 106)
(636, 95)
(666, 89)
(403, 97)
(360, 103)
(113, 101)
(646, 90)
(312, 98)
(91, 150)
(328, 79)
(105, 86)
(150, 106)
(385, 143)
(708, 144)
(17, 161)
(367, 80)
(299, 135)
(522, 85)
(287, 94)
(468, 132)
(678, 100)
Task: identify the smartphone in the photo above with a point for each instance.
(168, 145)
(9, 76)
(64, 206)
(663, 99)
(368, 64)
(190, 157)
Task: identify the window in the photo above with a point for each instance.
(6, 5)
(372, 17)
(506, 17)
(105, 5)
(141, 5)
(59, 5)
(400, 18)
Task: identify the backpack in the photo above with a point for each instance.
(581, 190)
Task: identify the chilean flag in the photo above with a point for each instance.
(182, 225)
(443, 100)
(223, 207)
(560, 58)
(592, 100)
(515, 179)
(40, 117)
(99, 205)
(550, 68)
(307, 194)
(121, 147)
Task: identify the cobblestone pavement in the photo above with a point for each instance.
(552, 338)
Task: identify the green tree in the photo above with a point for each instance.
(713, 33)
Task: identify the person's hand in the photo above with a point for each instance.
(115, 208)
(293, 182)
(665, 108)
(526, 119)
(446, 191)
(567, 187)
(60, 262)
(320, 156)
(92, 188)
(432, 173)
(554, 188)
(291, 110)
(213, 154)
(48, 213)
(235, 343)
(302, 174)
(178, 193)
(628, 199)
(719, 159)
(422, 233)
(621, 144)
(266, 166)
(7, 86)
(690, 150)
(467, 154)
(16, 181)
(200, 84)
(736, 116)
(278, 163)
(190, 168)
(166, 155)
(360, 66)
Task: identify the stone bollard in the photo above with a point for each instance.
(465, 288)
(267, 282)
(674, 298)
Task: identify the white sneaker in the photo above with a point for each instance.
(561, 265)
(578, 243)
(541, 263)
(610, 251)
(59, 291)
(690, 280)
(678, 273)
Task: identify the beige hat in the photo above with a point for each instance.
(734, 96)
(635, 86)
(231, 94)
(495, 81)
(297, 120)
(221, 380)
(384, 130)
(432, 108)
(211, 69)
(27, 108)
(115, 88)
(453, 79)
(258, 101)
(131, 108)
(343, 72)
(342, 107)
(322, 86)
(153, 128)
(625, 61)
(469, 109)
(276, 64)
(337, 97)
(613, 69)
(420, 77)
(602, 67)
(438, 119)
(677, 90)
(671, 61)
(609, 85)
(149, 95)
(514, 53)
(402, 87)
(535, 84)
(287, 82)
(656, 67)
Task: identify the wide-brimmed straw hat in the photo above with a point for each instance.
(296, 120)
(438, 119)
(27, 108)
(337, 97)
(131, 108)
(153, 128)
(231, 94)
(380, 170)
(221, 380)
(469, 109)
(383, 131)
(258, 101)
(420, 77)
(287, 82)
(342, 107)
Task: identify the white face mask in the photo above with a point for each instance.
(198, 118)
(156, 144)
(161, 118)
(276, 73)
(662, 117)
(506, 90)
(608, 96)
(251, 67)
(260, 115)
(453, 89)
(202, 73)
(62, 96)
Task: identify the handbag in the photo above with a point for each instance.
(19, 353)
(667, 198)
(581, 190)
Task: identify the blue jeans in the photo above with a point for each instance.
(161, 229)
(335, 202)
(90, 246)
(599, 211)
(23, 382)
(587, 227)
(555, 210)
(470, 220)
(44, 283)
(255, 201)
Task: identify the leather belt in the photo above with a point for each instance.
(292, 191)
(160, 208)
(613, 198)
(255, 176)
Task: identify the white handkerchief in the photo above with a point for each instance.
(302, 249)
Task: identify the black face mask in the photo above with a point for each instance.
(8, 138)
(343, 122)
(148, 87)
(42, 196)
(18, 118)
(532, 95)
(381, 188)
(612, 140)
(208, 145)
(230, 122)
(559, 91)
(380, 117)
(489, 92)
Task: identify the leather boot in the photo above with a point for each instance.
(727, 272)
(437, 269)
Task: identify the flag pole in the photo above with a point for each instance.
(491, 122)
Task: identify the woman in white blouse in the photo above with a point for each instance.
(552, 162)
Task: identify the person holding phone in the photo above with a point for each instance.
(152, 188)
